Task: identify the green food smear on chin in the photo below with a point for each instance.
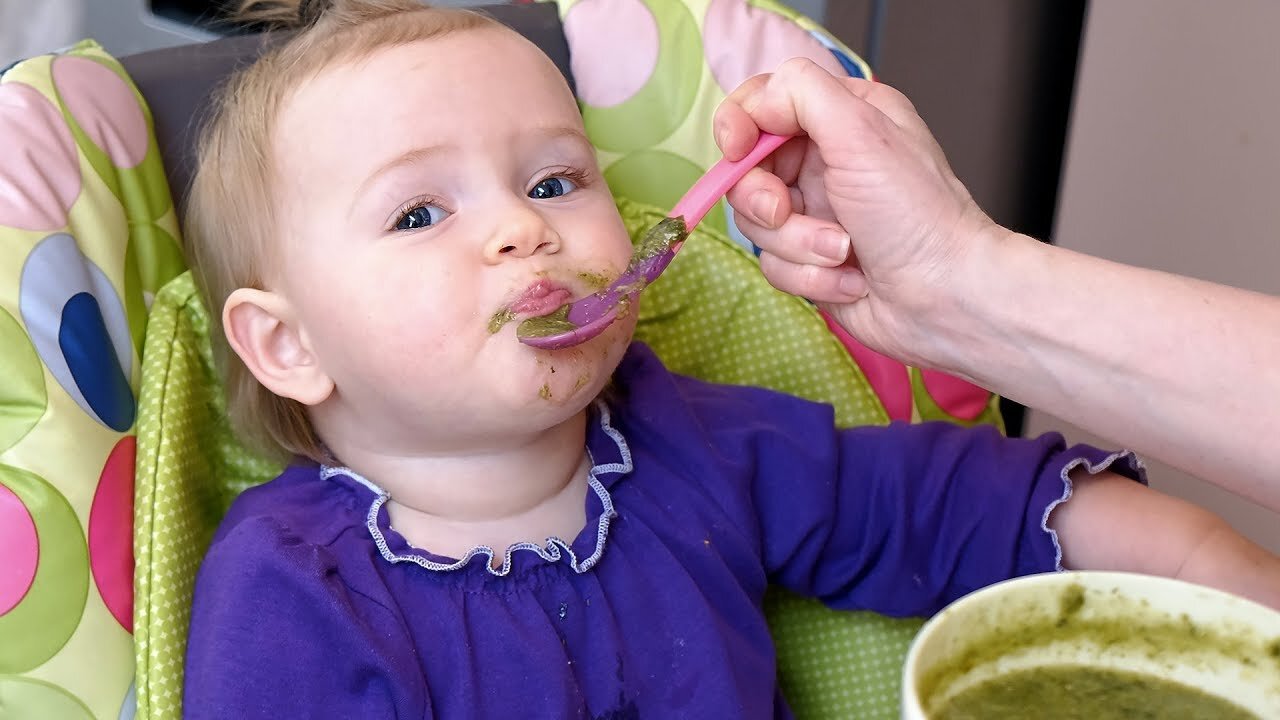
(499, 319)
(594, 280)
(556, 323)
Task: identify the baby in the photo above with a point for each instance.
(470, 527)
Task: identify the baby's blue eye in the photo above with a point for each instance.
(421, 216)
(552, 187)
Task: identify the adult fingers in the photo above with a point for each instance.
(734, 129)
(837, 285)
(801, 97)
(800, 240)
(762, 198)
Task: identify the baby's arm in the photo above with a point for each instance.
(1112, 523)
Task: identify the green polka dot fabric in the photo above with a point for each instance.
(712, 315)
(87, 237)
(190, 467)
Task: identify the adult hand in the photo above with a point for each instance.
(861, 212)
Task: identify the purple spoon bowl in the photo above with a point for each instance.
(583, 319)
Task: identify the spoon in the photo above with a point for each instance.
(579, 321)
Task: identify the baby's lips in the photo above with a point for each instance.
(539, 294)
(541, 303)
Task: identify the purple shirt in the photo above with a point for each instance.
(309, 604)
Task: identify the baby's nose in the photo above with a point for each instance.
(521, 234)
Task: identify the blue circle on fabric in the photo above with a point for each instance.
(86, 346)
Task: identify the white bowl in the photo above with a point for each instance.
(1218, 643)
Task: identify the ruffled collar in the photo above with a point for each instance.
(614, 460)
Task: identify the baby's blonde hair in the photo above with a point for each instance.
(230, 221)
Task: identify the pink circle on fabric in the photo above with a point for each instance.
(40, 175)
(19, 550)
(111, 532)
(887, 377)
(959, 398)
(105, 108)
(741, 41)
(615, 49)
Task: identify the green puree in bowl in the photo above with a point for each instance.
(1112, 623)
(1076, 692)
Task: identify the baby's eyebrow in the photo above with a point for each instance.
(411, 157)
(558, 132)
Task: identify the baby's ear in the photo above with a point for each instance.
(259, 328)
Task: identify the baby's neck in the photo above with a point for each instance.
(516, 493)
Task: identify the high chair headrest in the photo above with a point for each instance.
(178, 82)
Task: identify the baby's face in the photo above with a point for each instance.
(425, 191)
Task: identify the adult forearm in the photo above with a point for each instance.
(1179, 369)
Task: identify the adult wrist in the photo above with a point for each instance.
(971, 312)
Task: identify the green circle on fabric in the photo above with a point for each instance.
(659, 178)
(152, 259)
(42, 622)
(39, 699)
(663, 104)
(23, 397)
(158, 257)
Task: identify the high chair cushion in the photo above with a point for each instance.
(87, 237)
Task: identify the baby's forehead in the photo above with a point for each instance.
(487, 85)
(488, 69)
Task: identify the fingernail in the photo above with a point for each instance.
(721, 133)
(853, 283)
(832, 244)
(764, 206)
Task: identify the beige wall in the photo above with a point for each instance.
(992, 79)
(1173, 162)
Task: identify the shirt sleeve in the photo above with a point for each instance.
(275, 632)
(906, 518)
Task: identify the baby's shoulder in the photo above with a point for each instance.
(298, 507)
(303, 539)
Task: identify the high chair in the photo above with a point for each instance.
(116, 458)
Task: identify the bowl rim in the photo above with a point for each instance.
(1091, 579)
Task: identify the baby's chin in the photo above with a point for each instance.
(571, 378)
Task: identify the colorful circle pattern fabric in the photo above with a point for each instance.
(652, 131)
(86, 233)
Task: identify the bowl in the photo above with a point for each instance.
(1092, 643)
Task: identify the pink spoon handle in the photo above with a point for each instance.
(708, 190)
